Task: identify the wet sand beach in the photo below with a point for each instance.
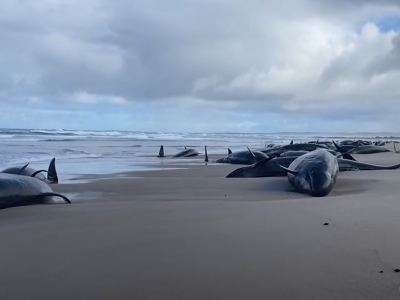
(193, 234)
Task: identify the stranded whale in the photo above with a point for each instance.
(184, 153)
(17, 190)
(246, 157)
(52, 176)
(314, 173)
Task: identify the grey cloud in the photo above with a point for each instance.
(389, 62)
(148, 51)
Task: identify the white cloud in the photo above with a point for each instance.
(84, 97)
(118, 101)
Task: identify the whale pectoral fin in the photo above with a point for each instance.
(251, 152)
(55, 195)
(288, 170)
(257, 164)
(37, 172)
(348, 156)
(229, 151)
(52, 172)
(23, 168)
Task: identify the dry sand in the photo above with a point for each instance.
(193, 234)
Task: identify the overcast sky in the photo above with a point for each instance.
(200, 65)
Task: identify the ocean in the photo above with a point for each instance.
(102, 152)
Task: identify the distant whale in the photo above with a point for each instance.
(17, 190)
(52, 176)
(187, 153)
(314, 173)
(184, 153)
(365, 149)
(242, 157)
(294, 147)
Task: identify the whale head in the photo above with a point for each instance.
(320, 183)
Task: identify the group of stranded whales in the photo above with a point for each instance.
(311, 168)
(21, 186)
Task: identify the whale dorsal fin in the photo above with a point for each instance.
(338, 148)
(291, 143)
(346, 155)
(205, 150)
(161, 152)
(288, 170)
(52, 172)
(23, 168)
(251, 152)
(185, 147)
(229, 151)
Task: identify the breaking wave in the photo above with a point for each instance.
(19, 157)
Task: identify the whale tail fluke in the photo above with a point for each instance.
(52, 172)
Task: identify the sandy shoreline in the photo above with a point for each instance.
(193, 234)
